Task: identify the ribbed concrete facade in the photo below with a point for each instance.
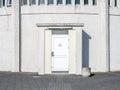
(27, 26)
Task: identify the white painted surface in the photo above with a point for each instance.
(16, 24)
(79, 54)
(115, 37)
(48, 49)
(72, 51)
(60, 53)
(115, 43)
(93, 42)
(103, 26)
(6, 43)
(41, 51)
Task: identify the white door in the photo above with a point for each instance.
(59, 52)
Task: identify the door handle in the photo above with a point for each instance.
(52, 53)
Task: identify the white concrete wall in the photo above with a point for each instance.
(92, 42)
(94, 35)
(6, 41)
(114, 38)
(30, 44)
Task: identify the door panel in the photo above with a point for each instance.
(60, 52)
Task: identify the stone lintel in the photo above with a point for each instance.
(60, 24)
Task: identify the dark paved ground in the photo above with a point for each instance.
(100, 81)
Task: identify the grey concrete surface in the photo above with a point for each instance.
(22, 81)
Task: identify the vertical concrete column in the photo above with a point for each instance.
(98, 3)
(46, 2)
(55, 2)
(41, 51)
(36, 2)
(16, 28)
(64, 2)
(28, 3)
(90, 2)
(6, 3)
(79, 51)
(82, 2)
(48, 58)
(72, 51)
(112, 3)
(73, 2)
(104, 28)
(118, 3)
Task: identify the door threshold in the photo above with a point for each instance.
(60, 72)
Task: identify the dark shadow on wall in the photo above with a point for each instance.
(85, 49)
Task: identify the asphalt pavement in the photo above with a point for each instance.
(28, 81)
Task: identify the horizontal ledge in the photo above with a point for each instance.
(60, 24)
(59, 28)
